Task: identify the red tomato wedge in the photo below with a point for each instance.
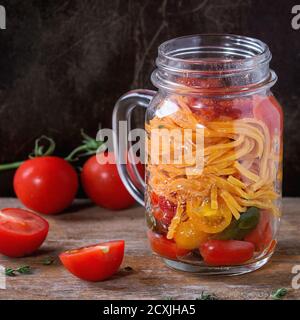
(164, 247)
(21, 232)
(96, 262)
(262, 235)
(268, 110)
(226, 252)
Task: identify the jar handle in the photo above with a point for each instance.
(124, 107)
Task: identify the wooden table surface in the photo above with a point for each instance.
(150, 279)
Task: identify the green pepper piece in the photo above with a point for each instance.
(241, 234)
(249, 219)
(230, 232)
(238, 229)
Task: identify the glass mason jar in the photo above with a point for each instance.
(212, 191)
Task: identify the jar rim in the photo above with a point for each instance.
(214, 56)
(229, 45)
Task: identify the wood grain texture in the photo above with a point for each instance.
(150, 279)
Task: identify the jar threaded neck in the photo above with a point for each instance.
(213, 63)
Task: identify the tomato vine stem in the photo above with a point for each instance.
(10, 166)
(38, 151)
(89, 146)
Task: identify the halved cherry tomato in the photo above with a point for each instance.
(46, 184)
(164, 247)
(94, 263)
(168, 210)
(189, 236)
(210, 220)
(268, 110)
(158, 214)
(262, 235)
(226, 252)
(21, 232)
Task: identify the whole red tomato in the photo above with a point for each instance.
(103, 185)
(46, 184)
(226, 252)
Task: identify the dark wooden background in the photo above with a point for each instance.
(63, 64)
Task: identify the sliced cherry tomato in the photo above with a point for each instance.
(262, 235)
(164, 247)
(210, 220)
(21, 232)
(268, 110)
(168, 210)
(158, 214)
(226, 252)
(189, 236)
(46, 184)
(154, 199)
(95, 263)
(103, 185)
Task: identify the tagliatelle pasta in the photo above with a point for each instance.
(239, 164)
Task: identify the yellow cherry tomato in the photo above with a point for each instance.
(210, 220)
(189, 236)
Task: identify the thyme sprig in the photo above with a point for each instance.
(10, 272)
(207, 296)
(279, 293)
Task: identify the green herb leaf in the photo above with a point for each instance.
(279, 293)
(24, 270)
(206, 296)
(10, 272)
(48, 261)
